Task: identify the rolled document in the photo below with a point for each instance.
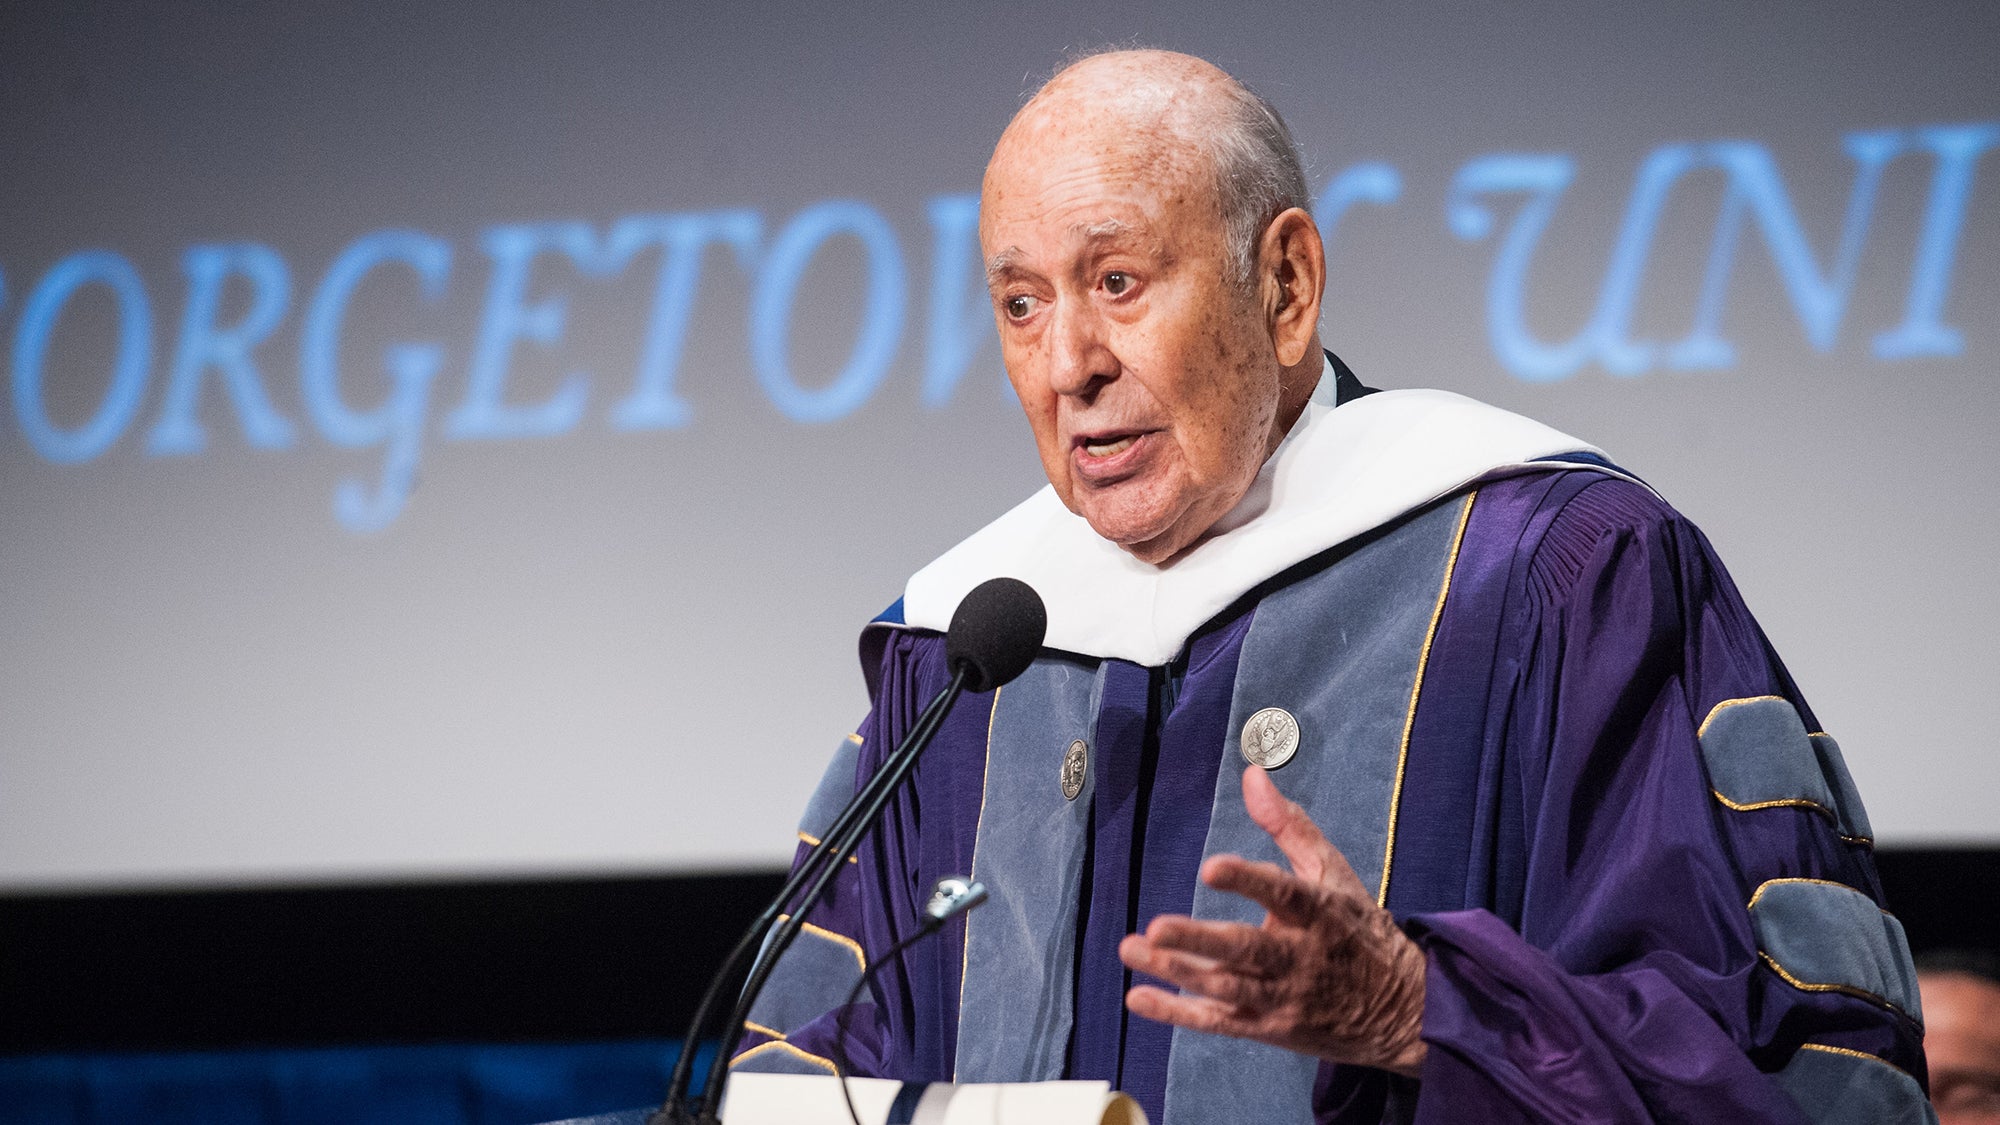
(814, 1099)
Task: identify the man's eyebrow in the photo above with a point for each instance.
(1106, 231)
(1007, 263)
(1120, 235)
(1002, 266)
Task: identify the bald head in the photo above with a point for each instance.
(1156, 282)
(1159, 94)
(1174, 117)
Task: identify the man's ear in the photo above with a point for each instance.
(1291, 263)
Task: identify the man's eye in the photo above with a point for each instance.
(1018, 307)
(1117, 282)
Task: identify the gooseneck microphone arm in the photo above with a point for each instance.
(994, 635)
(896, 769)
(951, 896)
(673, 1112)
(820, 859)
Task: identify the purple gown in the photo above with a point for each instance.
(1639, 873)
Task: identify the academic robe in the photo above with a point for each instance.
(1534, 714)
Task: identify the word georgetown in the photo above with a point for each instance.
(407, 392)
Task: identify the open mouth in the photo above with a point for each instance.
(1109, 445)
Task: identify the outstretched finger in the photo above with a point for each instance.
(1290, 899)
(1313, 857)
(1287, 824)
(1251, 950)
(1200, 976)
(1200, 1013)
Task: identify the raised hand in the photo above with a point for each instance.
(1327, 974)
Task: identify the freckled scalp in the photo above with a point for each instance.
(1142, 108)
(1169, 119)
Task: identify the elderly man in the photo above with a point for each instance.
(1534, 827)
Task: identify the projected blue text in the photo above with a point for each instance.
(408, 393)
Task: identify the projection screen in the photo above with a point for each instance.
(460, 439)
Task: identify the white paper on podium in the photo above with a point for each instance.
(813, 1099)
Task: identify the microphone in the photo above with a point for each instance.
(996, 632)
(950, 896)
(994, 635)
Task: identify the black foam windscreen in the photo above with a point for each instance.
(995, 632)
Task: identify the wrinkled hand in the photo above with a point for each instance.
(1328, 973)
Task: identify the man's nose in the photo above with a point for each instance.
(1081, 358)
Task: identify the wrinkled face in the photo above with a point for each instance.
(1149, 377)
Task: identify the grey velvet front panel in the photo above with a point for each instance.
(1341, 650)
(1018, 999)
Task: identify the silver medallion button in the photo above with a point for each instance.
(1270, 738)
(1074, 763)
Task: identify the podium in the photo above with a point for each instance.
(813, 1099)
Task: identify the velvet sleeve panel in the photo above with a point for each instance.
(905, 1025)
(1618, 973)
